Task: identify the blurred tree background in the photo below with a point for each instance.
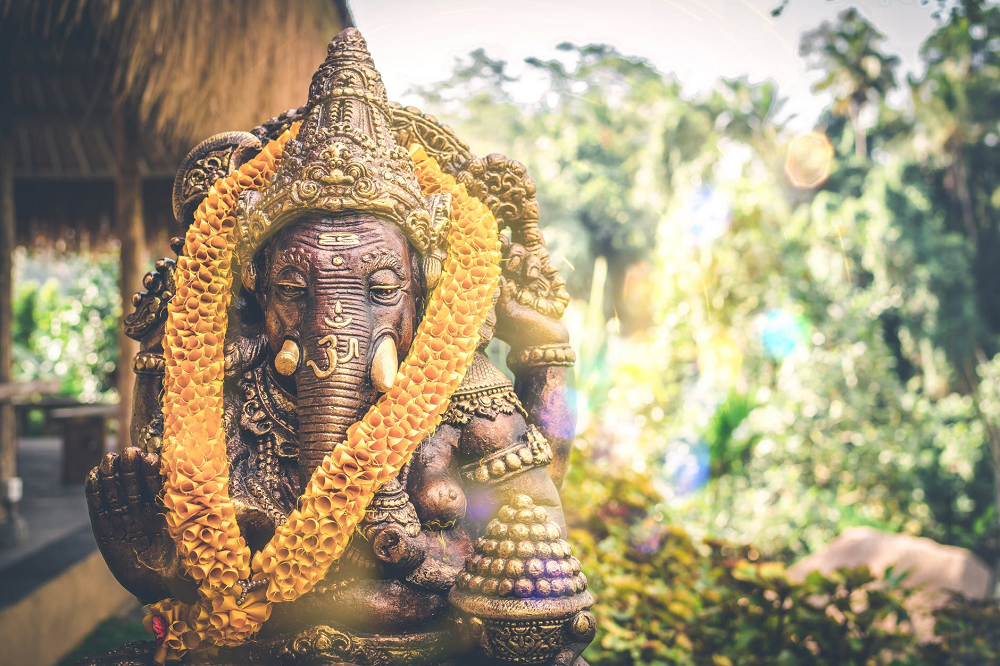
(66, 314)
(781, 335)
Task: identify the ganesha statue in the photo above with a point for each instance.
(326, 466)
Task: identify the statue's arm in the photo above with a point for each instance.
(123, 492)
(540, 357)
(434, 486)
(502, 457)
(547, 391)
(521, 564)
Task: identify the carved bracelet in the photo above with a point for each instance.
(149, 363)
(542, 355)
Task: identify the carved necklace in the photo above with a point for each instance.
(236, 595)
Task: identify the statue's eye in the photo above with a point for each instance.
(291, 290)
(384, 293)
(384, 286)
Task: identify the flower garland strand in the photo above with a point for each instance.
(201, 517)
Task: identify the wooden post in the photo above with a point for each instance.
(8, 423)
(131, 232)
(8, 427)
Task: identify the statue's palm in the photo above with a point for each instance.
(122, 494)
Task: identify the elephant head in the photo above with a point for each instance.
(339, 297)
(334, 247)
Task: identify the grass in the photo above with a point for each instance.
(110, 634)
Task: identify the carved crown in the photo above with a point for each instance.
(344, 158)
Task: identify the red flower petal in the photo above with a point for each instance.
(160, 628)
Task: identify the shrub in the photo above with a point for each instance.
(664, 598)
(67, 312)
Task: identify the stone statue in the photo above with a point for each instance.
(455, 557)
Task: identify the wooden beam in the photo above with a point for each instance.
(8, 427)
(131, 232)
(79, 152)
(12, 527)
(24, 145)
(50, 143)
(13, 390)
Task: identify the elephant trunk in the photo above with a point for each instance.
(334, 390)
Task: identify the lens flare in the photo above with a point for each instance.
(809, 160)
(781, 333)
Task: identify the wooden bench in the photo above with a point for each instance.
(28, 397)
(15, 392)
(85, 436)
(83, 426)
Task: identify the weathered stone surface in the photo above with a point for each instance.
(936, 569)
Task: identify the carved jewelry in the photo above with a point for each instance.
(542, 355)
(500, 465)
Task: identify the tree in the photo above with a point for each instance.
(857, 72)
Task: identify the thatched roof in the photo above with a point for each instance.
(189, 68)
(185, 69)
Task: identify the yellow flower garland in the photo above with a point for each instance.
(200, 514)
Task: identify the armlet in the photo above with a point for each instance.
(491, 404)
(501, 465)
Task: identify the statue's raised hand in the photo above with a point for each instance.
(525, 311)
(129, 525)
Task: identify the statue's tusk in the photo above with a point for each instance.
(287, 359)
(385, 364)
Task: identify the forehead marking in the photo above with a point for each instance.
(338, 240)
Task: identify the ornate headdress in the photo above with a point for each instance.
(344, 160)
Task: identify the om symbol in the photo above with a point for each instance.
(330, 343)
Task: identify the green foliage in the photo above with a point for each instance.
(108, 635)
(65, 327)
(729, 454)
(666, 598)
(849, 53)
(969, 633)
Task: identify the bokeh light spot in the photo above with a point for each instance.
(781, 333)
(809, 160)
(709, 215)
(720, 361)
(686, 467)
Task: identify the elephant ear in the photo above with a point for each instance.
(438, 207)
(245, 338)
(505, 186)
(215, 157)
(210, 160)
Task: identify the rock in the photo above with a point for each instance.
(937, 569)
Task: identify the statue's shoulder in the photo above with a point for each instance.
(497, 442)
(485, 392)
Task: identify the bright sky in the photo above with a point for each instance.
(415, 42)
